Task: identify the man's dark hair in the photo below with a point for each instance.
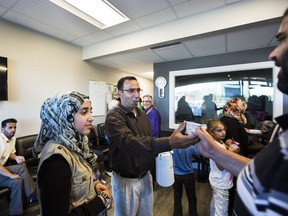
(10, 120)
(122, 80)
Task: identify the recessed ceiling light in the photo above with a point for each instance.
(100, 13)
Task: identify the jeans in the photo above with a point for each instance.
(16, 186)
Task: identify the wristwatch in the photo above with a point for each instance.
(108, 201)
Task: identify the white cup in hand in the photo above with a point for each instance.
(192, 127)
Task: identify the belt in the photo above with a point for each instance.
(141, 175)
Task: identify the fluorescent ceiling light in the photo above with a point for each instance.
(97, 12)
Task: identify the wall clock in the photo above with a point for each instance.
(161, 82)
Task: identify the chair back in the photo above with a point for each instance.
(101, 132)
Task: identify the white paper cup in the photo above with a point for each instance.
(192, 126)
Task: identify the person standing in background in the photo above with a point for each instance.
(153, 115)
(14, 176)
(209, 108)
(184, 175)
(155, 122)
(140, 106)
(184, 111)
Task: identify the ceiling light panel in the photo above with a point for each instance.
(97, 12)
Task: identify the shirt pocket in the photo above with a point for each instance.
(80, 186)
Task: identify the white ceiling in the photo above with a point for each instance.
(203, 27)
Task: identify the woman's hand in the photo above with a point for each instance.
(101, 187)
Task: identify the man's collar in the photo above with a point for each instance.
(4, 137)
(126, 111)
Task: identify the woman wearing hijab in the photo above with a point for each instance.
(65, 178)
(235, 120)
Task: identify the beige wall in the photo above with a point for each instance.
(39, 67)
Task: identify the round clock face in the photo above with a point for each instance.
(160, 82)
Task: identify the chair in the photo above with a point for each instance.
(101, 132)
(24, 146)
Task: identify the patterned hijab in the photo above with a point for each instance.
(57, 115)
(236, 108)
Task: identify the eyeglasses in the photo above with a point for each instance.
(133, 91)
(146, 101)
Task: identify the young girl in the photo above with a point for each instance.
(221, 180)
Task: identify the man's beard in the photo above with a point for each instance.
(283, 78)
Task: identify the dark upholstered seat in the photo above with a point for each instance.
(24, 146)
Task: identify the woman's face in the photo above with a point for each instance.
(219, 132)
(83, 118)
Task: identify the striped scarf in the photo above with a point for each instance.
(57, 115)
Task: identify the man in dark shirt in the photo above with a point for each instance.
(133, 150)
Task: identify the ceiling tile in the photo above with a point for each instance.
(137, 8)
(196, 6)
(7, 3)
(118, 60)
(156, 18)
(174, 53)
(174, 2)
(144, 56)
(97, 36)
(57, 17)
(251, 37)
(81, 42)
(206, 45)
(32, 24)
(123, 28)
(2, 10)
(232, 1)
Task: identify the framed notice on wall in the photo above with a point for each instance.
(97, 94)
